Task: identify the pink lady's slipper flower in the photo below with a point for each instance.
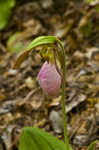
(49, 79)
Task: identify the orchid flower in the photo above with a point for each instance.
(49, 79)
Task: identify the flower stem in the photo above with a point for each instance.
(64, 114)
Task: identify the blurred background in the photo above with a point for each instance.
(22, 102)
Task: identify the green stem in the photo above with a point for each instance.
(64, 114)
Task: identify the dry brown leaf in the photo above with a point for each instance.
(2, 96)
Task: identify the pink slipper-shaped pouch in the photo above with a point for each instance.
(49, 79)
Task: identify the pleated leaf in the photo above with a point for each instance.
(5, 12)
(37, 139)
(92, 145)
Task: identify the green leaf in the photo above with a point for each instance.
(14, 46)
(42, 40)
(37, 139)
(5, 11)
(97, 8)
(89, 1)
(92, 145)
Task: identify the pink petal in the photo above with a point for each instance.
(49, 79)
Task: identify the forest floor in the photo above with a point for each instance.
(22, 102)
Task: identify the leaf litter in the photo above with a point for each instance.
(22, 102)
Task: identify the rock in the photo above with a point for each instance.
(80, 140)
(56, 121)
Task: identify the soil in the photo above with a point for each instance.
(22, 101)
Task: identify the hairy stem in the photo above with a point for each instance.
(64, 114)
